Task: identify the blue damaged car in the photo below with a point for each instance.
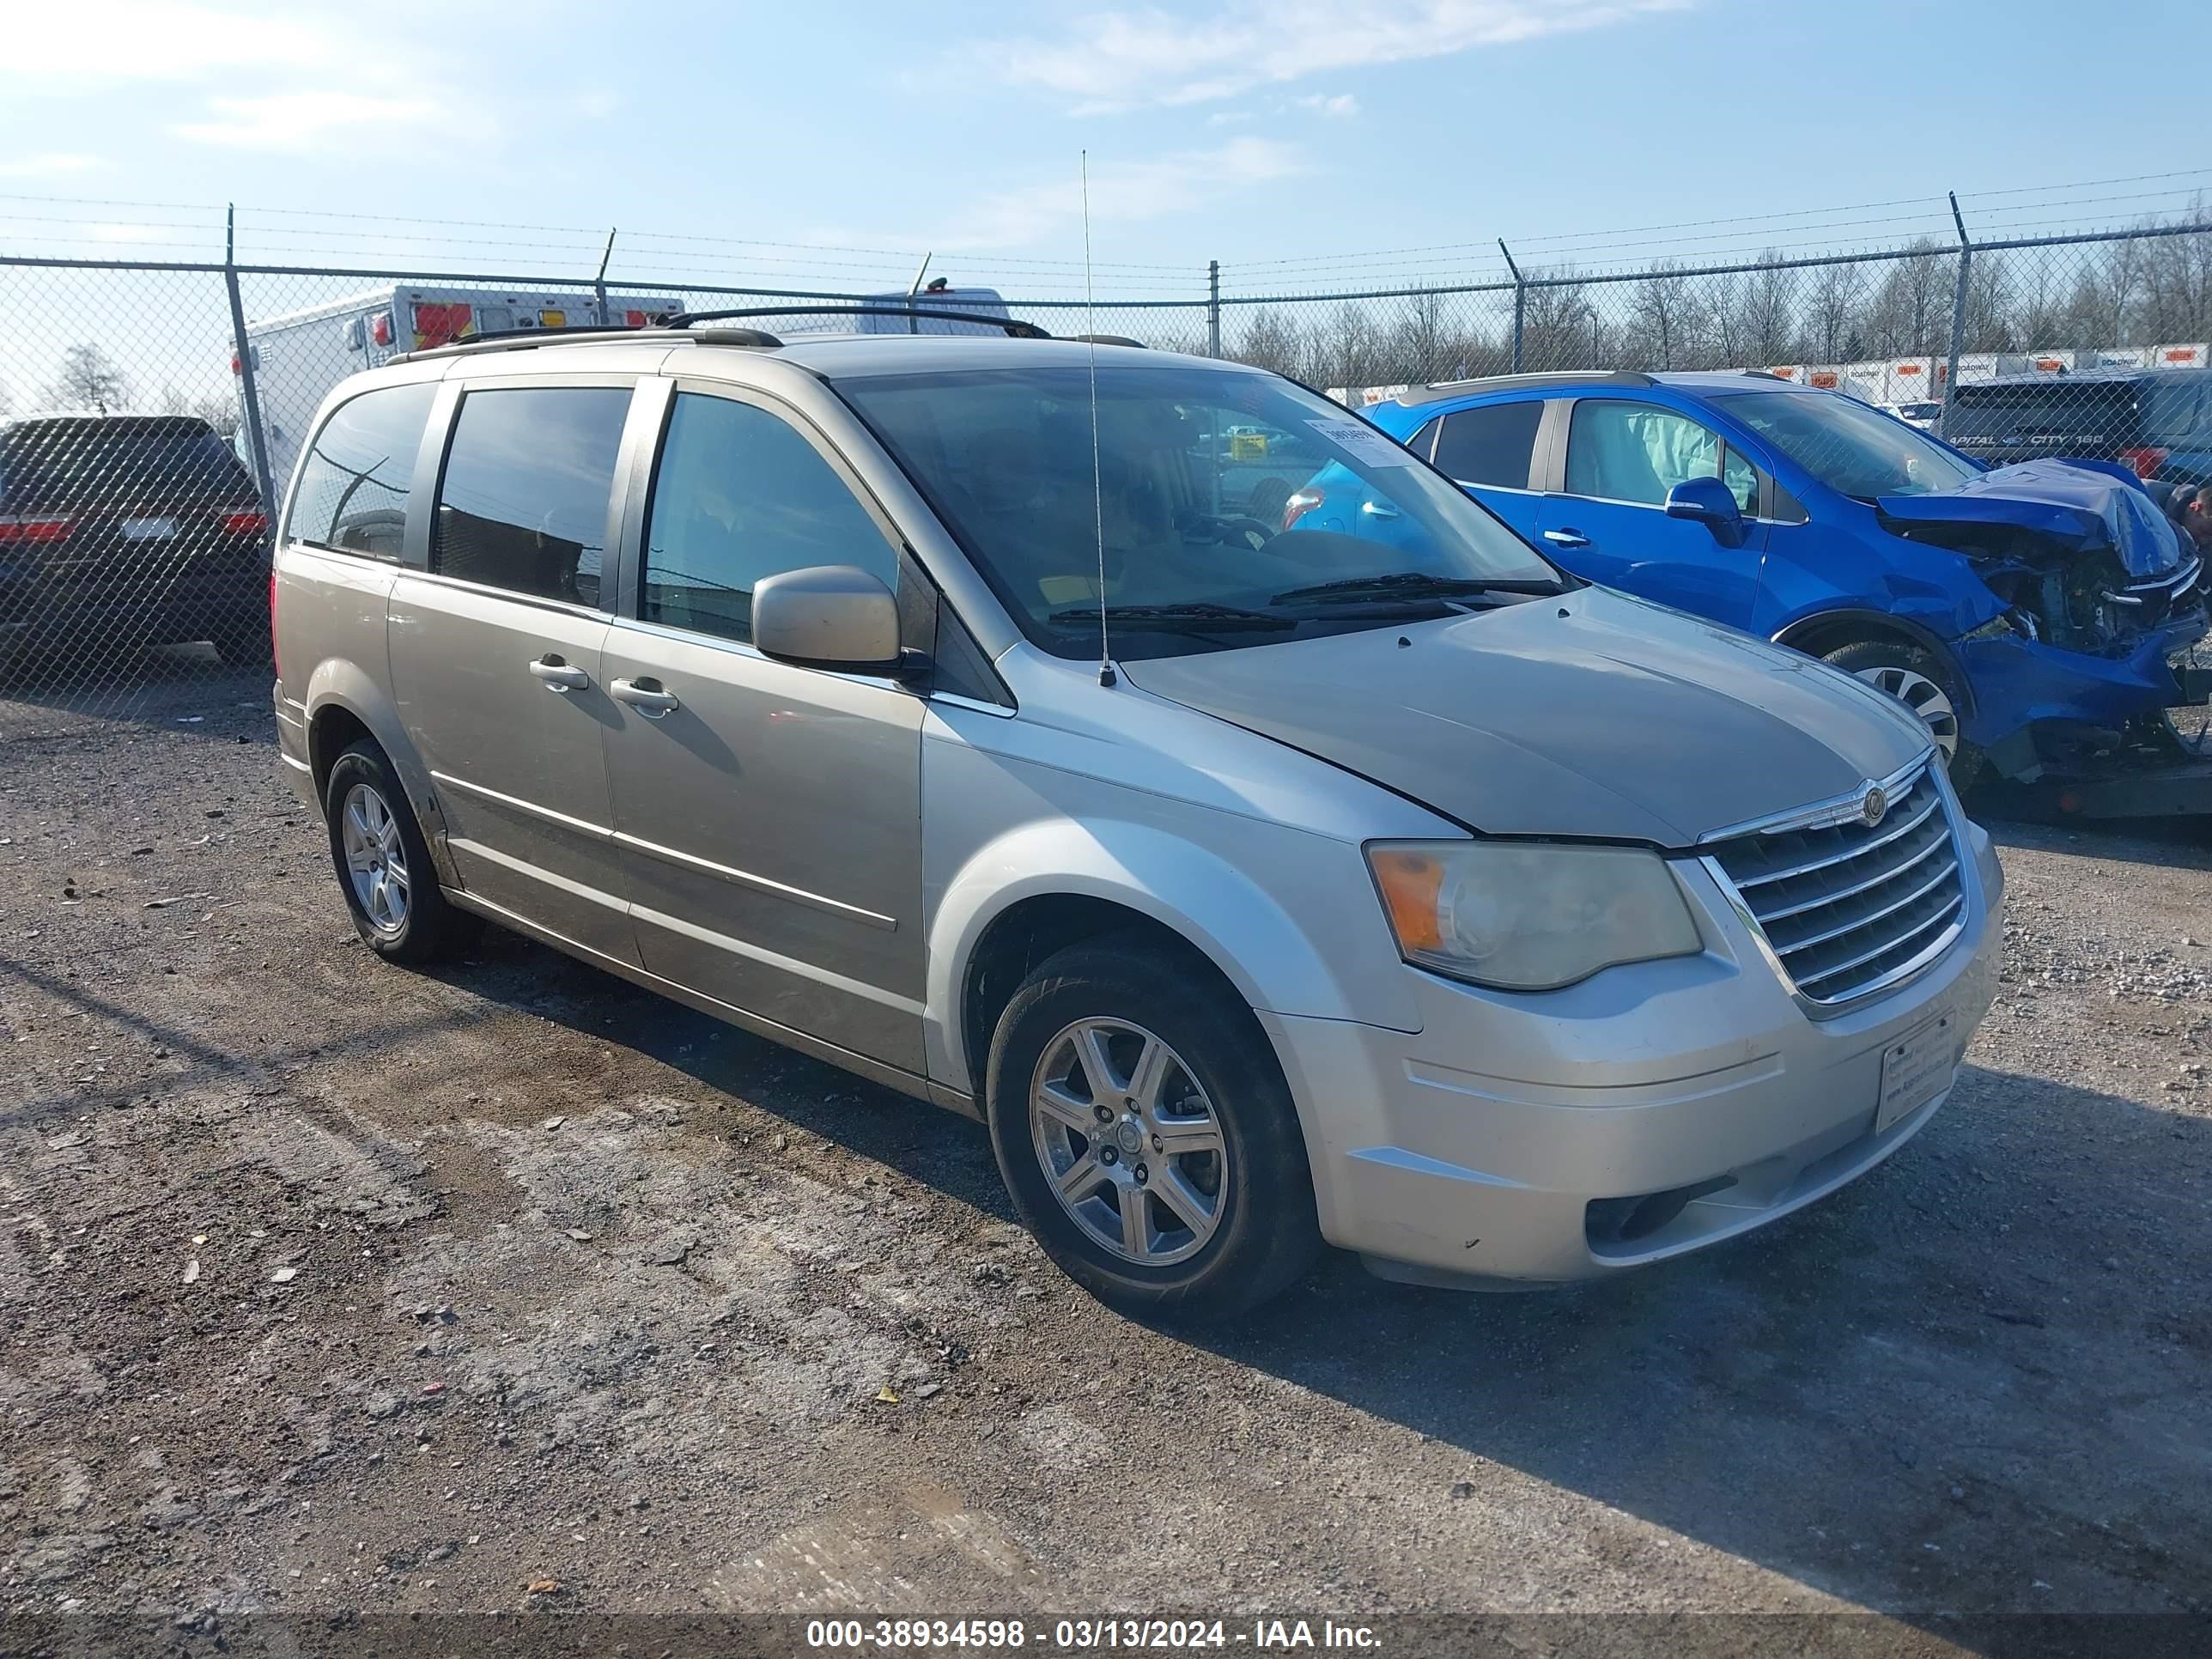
(2029, 613)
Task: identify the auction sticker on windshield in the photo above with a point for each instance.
(1915, 1069)
(1363, 441)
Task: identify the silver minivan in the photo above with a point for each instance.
(973, 714)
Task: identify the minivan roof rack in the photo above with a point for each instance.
(522, 339)
(1442, 389)
(1014, 327)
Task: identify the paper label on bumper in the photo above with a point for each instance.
(1916, 1068)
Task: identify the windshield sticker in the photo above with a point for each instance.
(1363, 441)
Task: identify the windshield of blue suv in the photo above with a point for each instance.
(1234, 508)
(1854, 450)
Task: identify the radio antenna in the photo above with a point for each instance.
(1098, 474)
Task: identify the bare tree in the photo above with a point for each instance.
(218, 411)
(88, 380)
(1766, 304)
(1272, 342)
(1668, 317)
(1832, 299)
(1560, 328)
(1418, 348)
(1347, 350)
(1910, 310)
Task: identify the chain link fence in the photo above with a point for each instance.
(150, 412)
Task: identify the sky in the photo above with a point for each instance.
(1303, 143)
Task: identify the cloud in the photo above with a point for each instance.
(1228, 118)
(1113, 60)
(303, 120)
(89, 45)
(595, 106)
(1121, 192)
(50, 164)
(1341, 106)
(312, 76)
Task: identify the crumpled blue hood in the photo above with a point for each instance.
(2087, 506)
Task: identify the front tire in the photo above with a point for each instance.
(384, 866)
(1145, 1133)
(1926, 685)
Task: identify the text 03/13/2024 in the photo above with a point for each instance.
(1081, 1635)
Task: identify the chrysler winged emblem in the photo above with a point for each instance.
(1876, 804)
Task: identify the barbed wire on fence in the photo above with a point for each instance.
(142, 357)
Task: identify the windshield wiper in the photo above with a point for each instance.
(1197, 614)
(1415, 584)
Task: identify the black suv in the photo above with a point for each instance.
(2157, 420)
(118, 531)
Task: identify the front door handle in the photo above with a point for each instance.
(1380, 510)
(557, 675)
(1566, 537)
(648, 697)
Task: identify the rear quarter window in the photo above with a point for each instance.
(2174, 413)
(360, 472)
(1491, 445)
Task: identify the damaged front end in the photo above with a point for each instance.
(2099, 593)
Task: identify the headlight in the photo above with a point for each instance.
(1527, 916)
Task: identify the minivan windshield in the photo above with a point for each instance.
(1234, 508)
(1854, 450)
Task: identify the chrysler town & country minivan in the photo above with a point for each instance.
(931, 705)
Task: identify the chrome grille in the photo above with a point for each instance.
(1847, 908)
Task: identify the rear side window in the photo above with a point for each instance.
(77, 462)
(1491, 445)
(2174, 413)
(741, 495)
(523, 504)
(353, 485)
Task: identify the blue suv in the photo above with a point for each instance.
(2029, 613)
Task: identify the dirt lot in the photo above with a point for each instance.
(332, 1285)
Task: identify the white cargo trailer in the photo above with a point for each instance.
(298, 357)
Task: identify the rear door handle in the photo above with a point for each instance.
(557, 675)
(1566, 537)
(648, 697)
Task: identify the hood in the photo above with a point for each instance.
(1591, 715)
(2079, 504)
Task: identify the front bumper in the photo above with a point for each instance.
(1472, 1151)
(2017, 683)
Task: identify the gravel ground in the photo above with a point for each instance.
(334, 1286)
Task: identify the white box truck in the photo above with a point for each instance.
(298, 357)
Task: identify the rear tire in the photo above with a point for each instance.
(244, 642)
(1202, 1233)
(384, 866)
(1926, 685)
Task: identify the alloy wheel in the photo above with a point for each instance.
(1924, 698)
(1128, 1141)
(376, 858)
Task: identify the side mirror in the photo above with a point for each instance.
(1710, 503)
(829, 616)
